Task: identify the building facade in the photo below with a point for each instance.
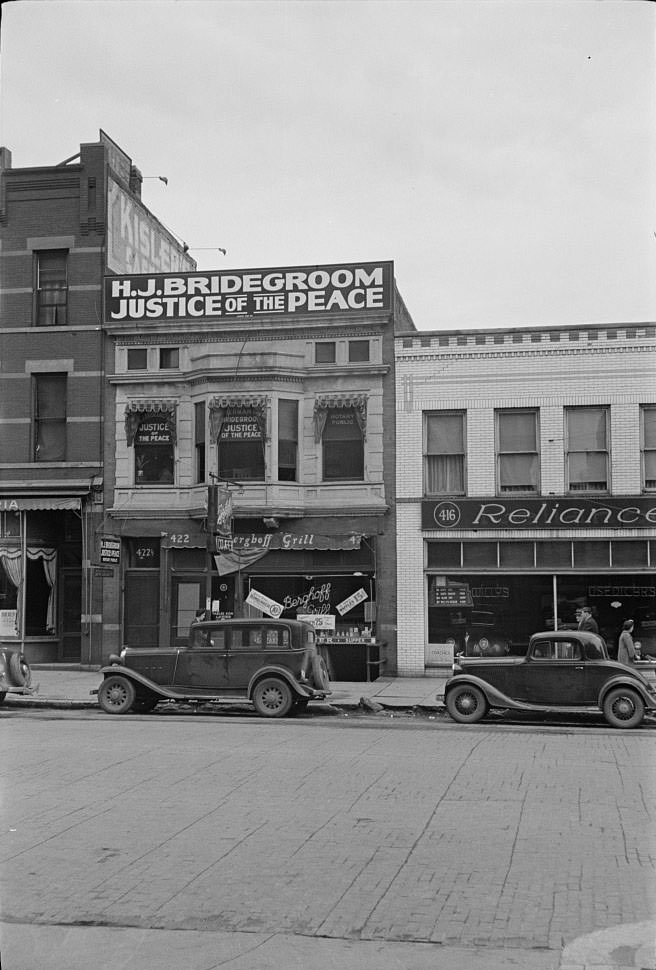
(62, 227)
(526, 487)
(273, 388)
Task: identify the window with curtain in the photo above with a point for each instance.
(587, 449)
(153, 450)
(51, 288)
(517, 451)
(444, 453)
(241, 445)
(648, 444)
(343, 445)
(287, 441)
(49, 425)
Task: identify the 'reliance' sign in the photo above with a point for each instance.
(614, 512)
(340, 288)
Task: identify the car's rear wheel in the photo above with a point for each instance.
(466, 704)
(19, 670)
(623, 708)
(116, 695)
(272, 697)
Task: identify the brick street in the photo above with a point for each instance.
(482, 837)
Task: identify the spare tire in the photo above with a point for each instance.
(320, 677)
(19, 670)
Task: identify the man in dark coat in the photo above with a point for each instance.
(587, 622)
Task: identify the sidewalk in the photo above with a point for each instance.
(69, 686)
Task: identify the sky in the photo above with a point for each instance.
(502, 154)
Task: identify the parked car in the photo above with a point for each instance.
(562, 671)
(15, 674)
(275, 664)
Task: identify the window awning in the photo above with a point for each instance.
(221, 405)
(136, 411)
(18, 503)
(178, 533)
(323, 403)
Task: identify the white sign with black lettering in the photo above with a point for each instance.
(351, 601)
(262, 602)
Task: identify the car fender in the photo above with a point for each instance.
(116, 670)
(273, 670)
(494, 697)
(633, 684)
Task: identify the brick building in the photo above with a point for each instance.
(526, 487)
(63, 227)
(278, 385)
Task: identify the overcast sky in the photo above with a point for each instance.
(502, 154)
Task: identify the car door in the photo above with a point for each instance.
(255, 645)
(202, 666)
(554, 673)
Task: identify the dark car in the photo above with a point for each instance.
(275, 664)
(565, 671)
(15, 674)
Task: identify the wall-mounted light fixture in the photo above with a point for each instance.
(162, 178)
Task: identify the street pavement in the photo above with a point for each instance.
(162, 844)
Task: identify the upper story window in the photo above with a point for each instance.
(444, 453)
(648, 447)
(287, 441)
(518, 466)
(343, 445)
(241, 443)
(137, 358)
(358, 350)
(51, 287)
(586, 449)
(169, 358)
(49, 425)
(199, 440)
(153, 449)
(325, 352)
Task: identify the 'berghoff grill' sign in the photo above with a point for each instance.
(547, 513)
(339, 288)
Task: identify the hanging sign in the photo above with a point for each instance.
(157, 432)
(320, 621)
(346, 605)
(262, 602)
(110, 550)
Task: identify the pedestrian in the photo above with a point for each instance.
(626, 648)
(587, 621)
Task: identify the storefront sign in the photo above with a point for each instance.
(263, 603)
(448, 593)
(548, 513)
(440, 654)
(348, 604)
(110, 550)
(8, 623)
(320, 621)
(336, 288)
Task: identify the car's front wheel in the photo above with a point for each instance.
(272, 697)
(116, 695)
(466, 704)
(623, 708)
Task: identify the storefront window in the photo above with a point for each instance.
(444, 453)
